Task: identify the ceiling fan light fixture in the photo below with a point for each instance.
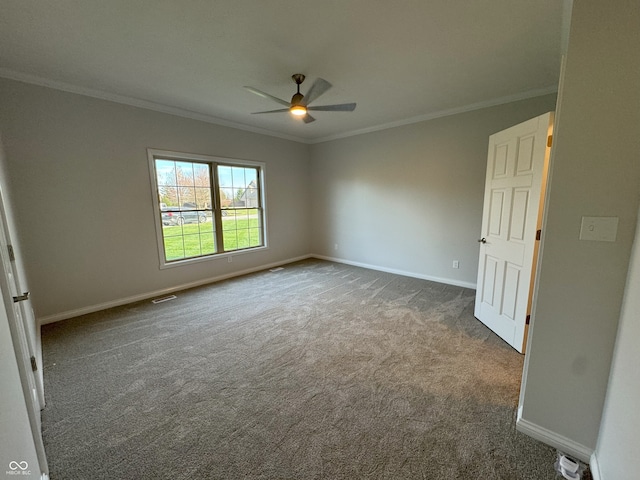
(298, 110)
(299, 105)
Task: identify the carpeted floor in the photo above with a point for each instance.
(316, 371)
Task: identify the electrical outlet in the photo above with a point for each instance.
(229, 259)
(335, 246)
(456, 264)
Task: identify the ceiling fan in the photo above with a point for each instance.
(299, 104)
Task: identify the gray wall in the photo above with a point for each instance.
(619, 437)
(595, 171)
(409, 199)
(80, 182)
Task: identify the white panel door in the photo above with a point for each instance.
(512, 214)
(24, 311)
(22, 330)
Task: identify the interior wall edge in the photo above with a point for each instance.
(594, 466)
(562, 443)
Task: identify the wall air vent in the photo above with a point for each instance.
(163, 299)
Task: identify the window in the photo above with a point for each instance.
(206, 206)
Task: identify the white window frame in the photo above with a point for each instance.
(153, 154)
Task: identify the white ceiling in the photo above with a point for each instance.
(401, 60)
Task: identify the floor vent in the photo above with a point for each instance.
(163, 299)
(277, 269)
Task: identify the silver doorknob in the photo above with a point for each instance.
(482, 240)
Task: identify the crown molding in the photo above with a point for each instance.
(443, 113)
(180, 112)
(136, 102)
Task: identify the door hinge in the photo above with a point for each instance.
(12, 255)
(34, 364)
(538, 234)
(526, 321)
(549, 140)
(21, 298)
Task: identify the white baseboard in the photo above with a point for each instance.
(564, 444)
(158, 293)
(595, 467)
(447, 281)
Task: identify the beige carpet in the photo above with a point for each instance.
(317, 371)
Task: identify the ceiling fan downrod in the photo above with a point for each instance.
(297, 97)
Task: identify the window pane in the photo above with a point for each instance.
(239, 187)
(242, 218)
(243, 230)
(166, 177)
(243, 239)
(224, 176)
(225, 202)
(230, 240)
(229, 223)
(251, 197)
(173, 248)
(165, 172)
(184, 174)
(203, 197)
(237, 177)
(208, 242)
(256, 236)
(226, 197)
(238, 202)
(254, 219)
(201, 175)
(186, 198)
(251, 176)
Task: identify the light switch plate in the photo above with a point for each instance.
(599, 229)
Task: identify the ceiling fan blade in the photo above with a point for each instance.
(272, 111)
(319, 87)
(266, 95)
(342, 107)
(308, 118)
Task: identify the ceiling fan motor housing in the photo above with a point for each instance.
(297, 99)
